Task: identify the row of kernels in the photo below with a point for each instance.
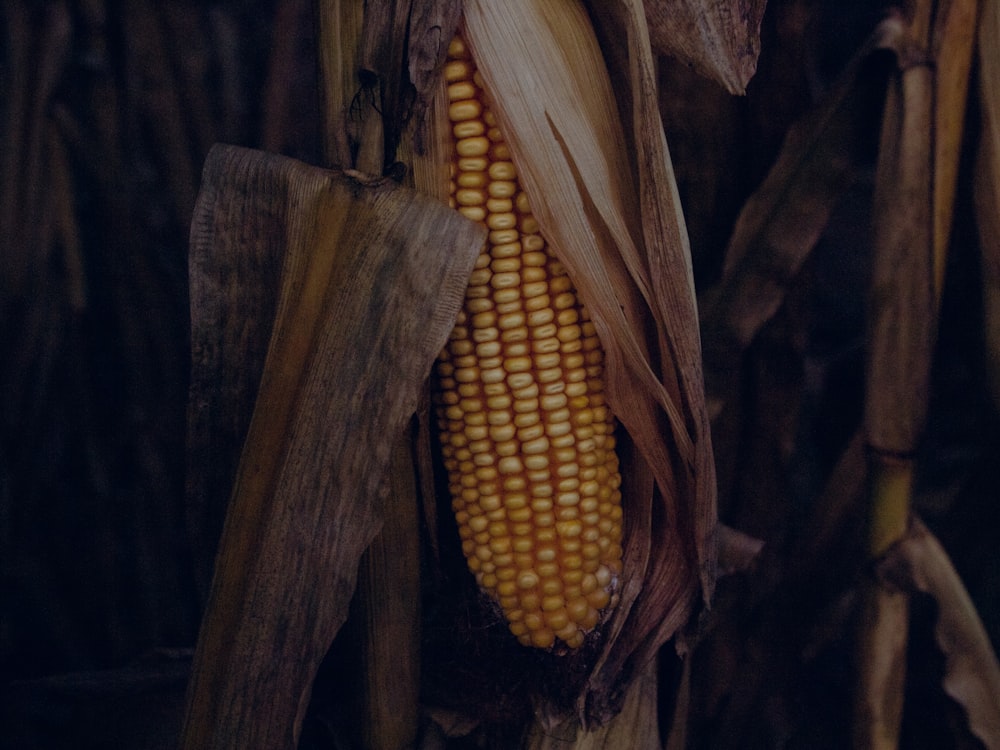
(491, 291)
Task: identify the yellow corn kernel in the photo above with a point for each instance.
(526, 435)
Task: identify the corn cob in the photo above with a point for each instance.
(527, 439)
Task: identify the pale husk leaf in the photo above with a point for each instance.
(559, 114)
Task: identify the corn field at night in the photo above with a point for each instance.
(545, 374)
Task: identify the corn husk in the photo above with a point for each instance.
(371, 277)
(719, 38)
(603, 192)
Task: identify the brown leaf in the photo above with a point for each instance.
(902, 307)
(719, 38)
(782, 221)
(953, 40)
(372, 279)
(972, 672)
(636, 727)
(351, 130)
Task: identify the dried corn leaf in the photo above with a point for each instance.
(635, 727)
(987, 186)
(972, 672)
(719, 38)
(352, 129)
(382, 635)
(902, 302)
(372, 278)
(622, 238)
(782, 221)
(952, 44)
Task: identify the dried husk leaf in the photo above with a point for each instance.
(381, 638)
(372, 277)
(952, 45)
(987, 185)
(902, 302)
(635, 727)
(972, 672)
(352, 129)
(614, 220)
(719, 38)
(780, 224)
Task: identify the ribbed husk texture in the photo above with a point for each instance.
(597, 170)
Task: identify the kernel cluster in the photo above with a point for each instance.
(527, 438)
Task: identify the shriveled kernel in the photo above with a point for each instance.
(500, 152)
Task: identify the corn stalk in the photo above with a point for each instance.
(914, 199)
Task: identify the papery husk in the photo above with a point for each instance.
(719, 38)
(971, 670)
(370, 277)
(606, 200)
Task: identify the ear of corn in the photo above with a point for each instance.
(527, 438)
